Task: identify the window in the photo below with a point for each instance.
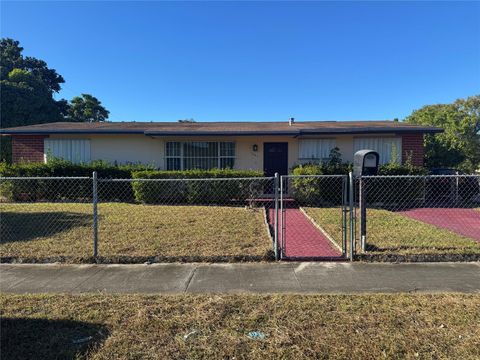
(315, 149)
(199, 155)
(74, 150)
(388, 148)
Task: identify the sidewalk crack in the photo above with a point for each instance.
(189, 280)
(296, 279)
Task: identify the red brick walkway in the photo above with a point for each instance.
(461, 221)
(302, 239)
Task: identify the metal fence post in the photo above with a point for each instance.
(424, 190)
(363, 214)
(456, 188)
(95, 214)
(352, 220)
(276, 184)
(344, 215)
(282, 233)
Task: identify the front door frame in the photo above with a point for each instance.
(265, 155)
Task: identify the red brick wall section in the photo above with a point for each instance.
(27, 148)
(412, 145)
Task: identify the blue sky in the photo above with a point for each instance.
(255, 61)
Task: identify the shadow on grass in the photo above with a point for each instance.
(16, 226)
(23, 338)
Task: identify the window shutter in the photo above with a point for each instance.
(385, 146)
(74, 150)
(315, 149)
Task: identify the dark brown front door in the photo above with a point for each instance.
(275, 158)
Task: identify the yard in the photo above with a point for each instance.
(49, 230)
(390, 232)
(217, 326)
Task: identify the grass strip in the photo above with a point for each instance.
(376, 326)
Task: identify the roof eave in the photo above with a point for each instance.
(297, 132)
(371, 131)
(221, 133)
(70, 132)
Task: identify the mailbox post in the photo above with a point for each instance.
(365, 162)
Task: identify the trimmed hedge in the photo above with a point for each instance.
(397, 169)
(65, 168)
(197, 192)
(128, 191)
(396, 192)
(56, 190)
(328, 191)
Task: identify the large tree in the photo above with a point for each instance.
(87, 108)
(27, 86)
(12, 58)
(459, 145)
(26, 100)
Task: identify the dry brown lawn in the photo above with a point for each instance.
(44, 230)
(388, 232)
(216, 327)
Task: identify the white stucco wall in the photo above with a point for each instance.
(146, 150)
(123, 149)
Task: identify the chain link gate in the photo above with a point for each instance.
(313, 217)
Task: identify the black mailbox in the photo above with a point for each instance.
(365, 162)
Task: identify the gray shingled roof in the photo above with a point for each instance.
(222, 128)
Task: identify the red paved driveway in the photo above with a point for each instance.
(461, 221)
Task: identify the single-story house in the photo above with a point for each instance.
(266, 146)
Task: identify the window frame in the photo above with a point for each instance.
(181, 157)
(47, 145)
(396, 140)
(315, 159)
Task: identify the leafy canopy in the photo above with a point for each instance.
(27, 86)
(459, 145)
(11, 58)
(87, 108)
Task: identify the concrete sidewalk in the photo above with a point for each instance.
(244, 277)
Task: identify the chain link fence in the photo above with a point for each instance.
(47, 217)
(187, 219)
(409, 215)
(234, 219)
(132, 220)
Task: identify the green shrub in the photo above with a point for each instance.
(396, 191)
(398, 169)
(315, 191)
(195, 192)
(147, 192)
(323, 190)
(68, 189)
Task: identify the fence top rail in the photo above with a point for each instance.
(46, 178)
(416, 176)
(185, 179)
(315, 176)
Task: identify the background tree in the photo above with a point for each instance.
(87, 108)
(459, 145)
(26, 100)
(27, 86)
